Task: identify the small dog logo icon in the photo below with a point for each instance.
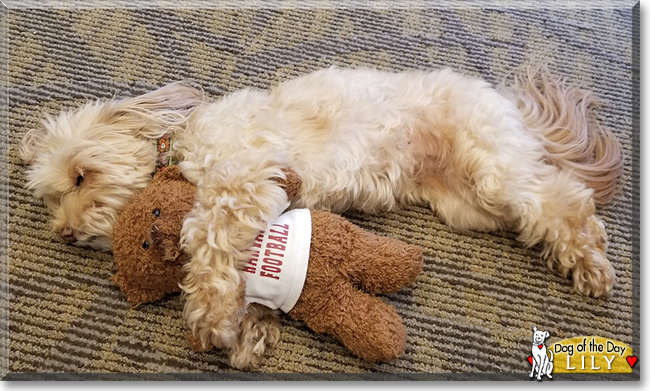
(540, 359)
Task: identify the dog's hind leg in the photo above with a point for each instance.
(558, 211)
(547, 205)
(509, 187)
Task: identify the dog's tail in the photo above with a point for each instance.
(564, 116)
(550, 351)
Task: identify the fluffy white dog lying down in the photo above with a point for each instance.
(528, 156)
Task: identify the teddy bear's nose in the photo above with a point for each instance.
(156, 235)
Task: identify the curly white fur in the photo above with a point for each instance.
(526, 157)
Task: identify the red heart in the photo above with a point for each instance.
(540, 346)
(631, 360)
(530, 360)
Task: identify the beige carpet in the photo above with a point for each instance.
(470, 313)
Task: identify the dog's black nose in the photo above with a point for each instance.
(67, 234)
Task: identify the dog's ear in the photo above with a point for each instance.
(30, 144)
(534, 328)
(157, 112)
(179, 97)
(546, 334)
(35, 139)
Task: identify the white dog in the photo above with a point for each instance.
(527, 157)
(541, 360)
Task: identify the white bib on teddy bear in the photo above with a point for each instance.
(276, 272)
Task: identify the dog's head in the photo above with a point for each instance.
(146, 239)
(539, 336)
(87, 164)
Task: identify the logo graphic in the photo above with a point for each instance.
(540, 359)
(579, 355)
(593, 355)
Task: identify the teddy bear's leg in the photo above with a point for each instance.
(381, 264)
(370, 328)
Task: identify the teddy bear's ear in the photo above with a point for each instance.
(170, 173)
(135, 293)
(122, 282)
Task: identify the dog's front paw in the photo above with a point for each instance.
(260, 331)
(248, 355)
(245, 361)
(594, 276)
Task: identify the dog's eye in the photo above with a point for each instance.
(145, 245)
(80, 179)
(156, 212)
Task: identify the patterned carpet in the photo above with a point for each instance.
(470, 313)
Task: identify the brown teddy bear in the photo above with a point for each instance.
(346, 266)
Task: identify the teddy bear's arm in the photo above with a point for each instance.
(291, 183)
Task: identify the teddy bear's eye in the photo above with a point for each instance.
(156, 212)
(145, 245)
